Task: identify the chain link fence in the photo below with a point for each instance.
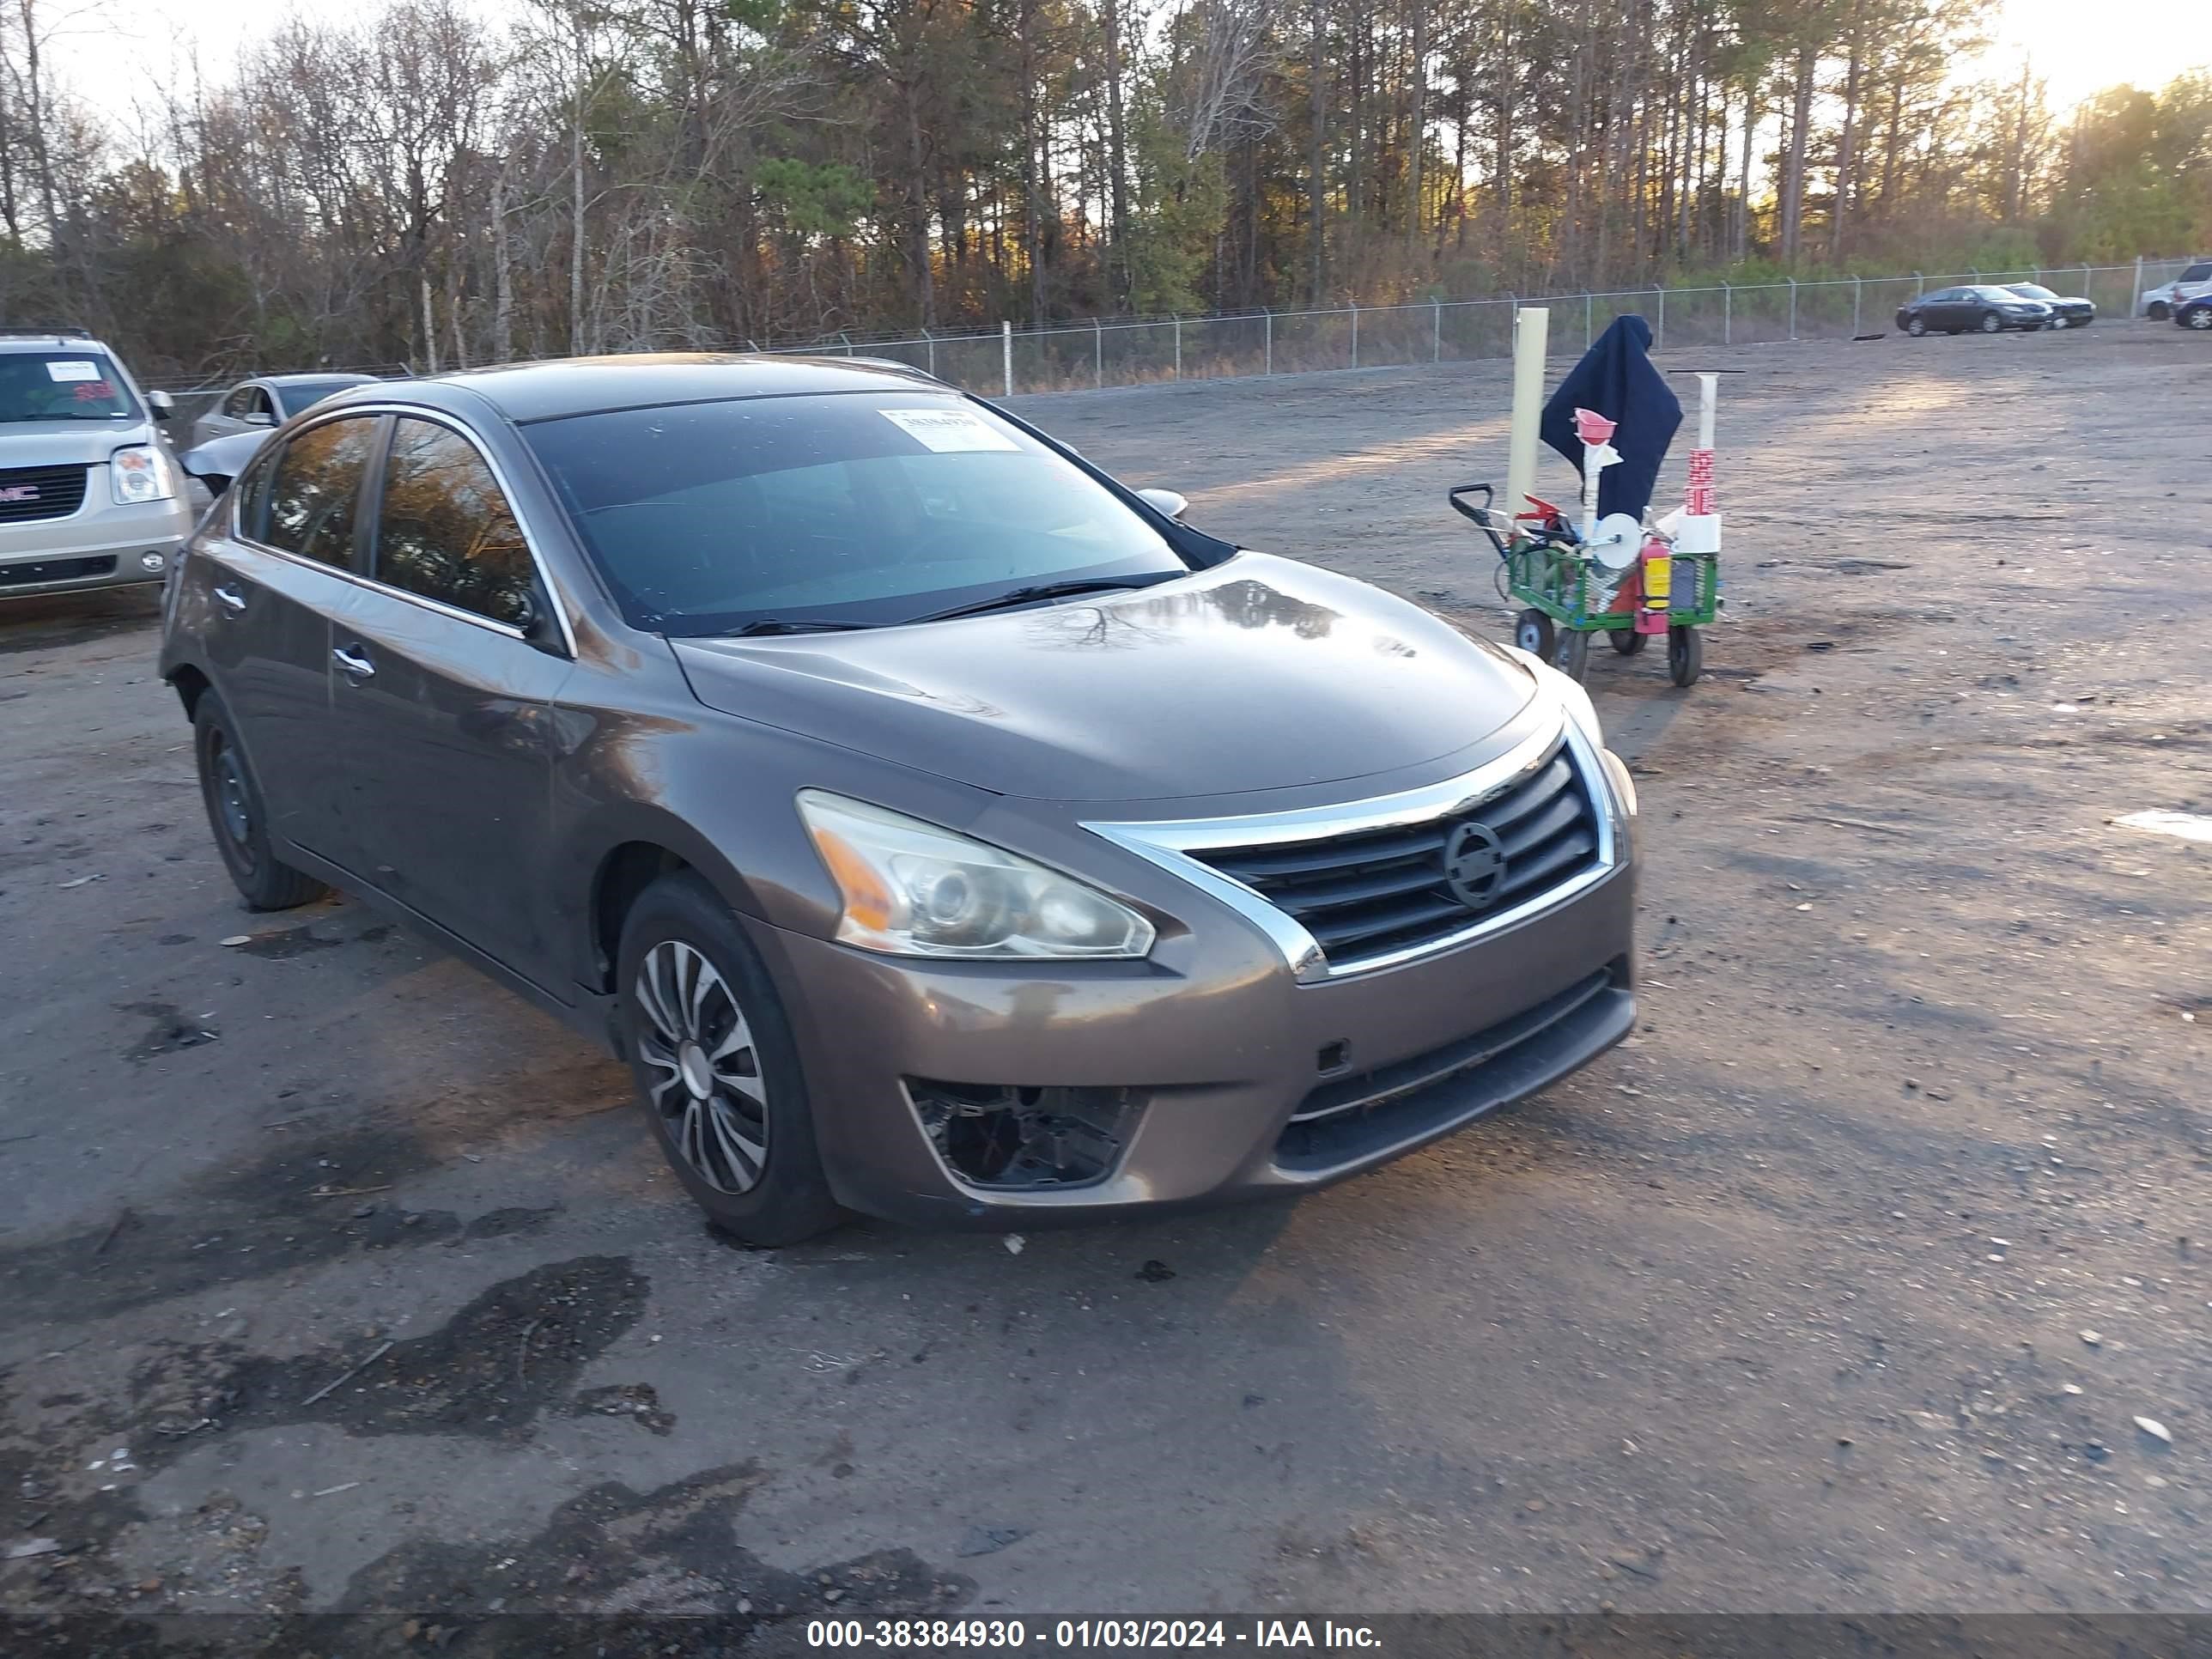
(1077, 356)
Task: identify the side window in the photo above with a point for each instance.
(236, 405)
(313, 489)
(260, 405)
(2197, 273)
(445, 532)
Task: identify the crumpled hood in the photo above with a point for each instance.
(1259, 674)
(67, 443)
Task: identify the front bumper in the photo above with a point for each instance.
(1217, 1053)
(100, 545)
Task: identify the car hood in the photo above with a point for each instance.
(67, 443)
(1258, 674)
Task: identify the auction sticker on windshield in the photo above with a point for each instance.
(947, 430)
(66, 369)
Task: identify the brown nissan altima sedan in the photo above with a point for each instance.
(938, 827)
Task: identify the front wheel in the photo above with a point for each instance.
(239, 817)
(1916, 327)
(1532, 632)
(2201, 318)
(2158, 312)
(716, 1067)
(2058, 322)
(1570, 654)
(1686, 656)
(1991, 323)
(1626, 640)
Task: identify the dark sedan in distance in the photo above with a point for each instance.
(939, 827)
(2067, 310)
(2194, 313)
(1982, 307)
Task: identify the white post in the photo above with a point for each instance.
(932, 338)
(1792, 281)
(1857, 294)
(1355, 333)
(1919, 285)
(1098, 353)
(1728, 317)
(1659, 324)
(1178, 321)
(1531, 327)
(2134, 294)
(1270, 325)
(1006, 355)
(1709, 387)
(1589, 313)
(1436, 332)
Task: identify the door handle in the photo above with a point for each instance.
(231, 599)
(354, 661)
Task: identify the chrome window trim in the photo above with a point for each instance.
(1170, 843)
(436, 417)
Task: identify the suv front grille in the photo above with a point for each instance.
(1373, 892)
(40, 492)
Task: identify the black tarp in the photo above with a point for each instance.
(1615, 379)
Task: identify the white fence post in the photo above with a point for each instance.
(1436, 333)
(932, 338)
(1857, 294)
(1269, 360)
(2134, 294)
(1006, 355)
(1659, 326)
(1589, 313)
(1098, 353)
(1355, 333)
(1728, 315)
(1919, 285)
(1792, 281)
(1178, 328)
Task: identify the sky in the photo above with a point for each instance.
(2077, 46)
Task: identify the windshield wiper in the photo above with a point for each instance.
(795, 625)
(1050, 591)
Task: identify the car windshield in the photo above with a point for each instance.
(62, 386)
(854, 508)
(1988, 292)
(2033, 291)
(292, 396)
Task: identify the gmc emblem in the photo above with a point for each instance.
(20, 493)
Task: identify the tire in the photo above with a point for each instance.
(1991, 323)
(1918, 327)
(1570, 653)
(1686, 656)
(1532, 632)
(2158, 312)
(2201, 318)
(1626, 641)
(238, 818)
(691, 988)
(2059, 323)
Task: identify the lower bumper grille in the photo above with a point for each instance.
(1374, 891)
(57, 570)
(1356, 1117)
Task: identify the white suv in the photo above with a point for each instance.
(2158, 303)
(89, 494)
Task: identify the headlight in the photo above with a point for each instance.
(141, 473)
(912, 889)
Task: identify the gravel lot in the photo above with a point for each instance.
(1844, 1286)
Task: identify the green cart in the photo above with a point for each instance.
(1568, 597)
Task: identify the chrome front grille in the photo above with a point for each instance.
(1370, 884)
(40, 492)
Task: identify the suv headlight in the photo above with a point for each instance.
(141, 473)
(914, 890)
(1584, 712)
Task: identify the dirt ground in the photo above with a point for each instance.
(332, 1278)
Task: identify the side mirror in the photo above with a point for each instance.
(163, 405)
(1165, 502)
(260, 417)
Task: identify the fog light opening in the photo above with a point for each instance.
(1009, 1139)
(151, 561)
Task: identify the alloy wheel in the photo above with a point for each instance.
(706, 1086)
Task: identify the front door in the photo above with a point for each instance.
(267, 593)
(444, 694)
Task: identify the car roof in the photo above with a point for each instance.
(23, 339)
(344, 376)
(582, 385)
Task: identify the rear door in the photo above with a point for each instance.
(264, 594)
(446, 664)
